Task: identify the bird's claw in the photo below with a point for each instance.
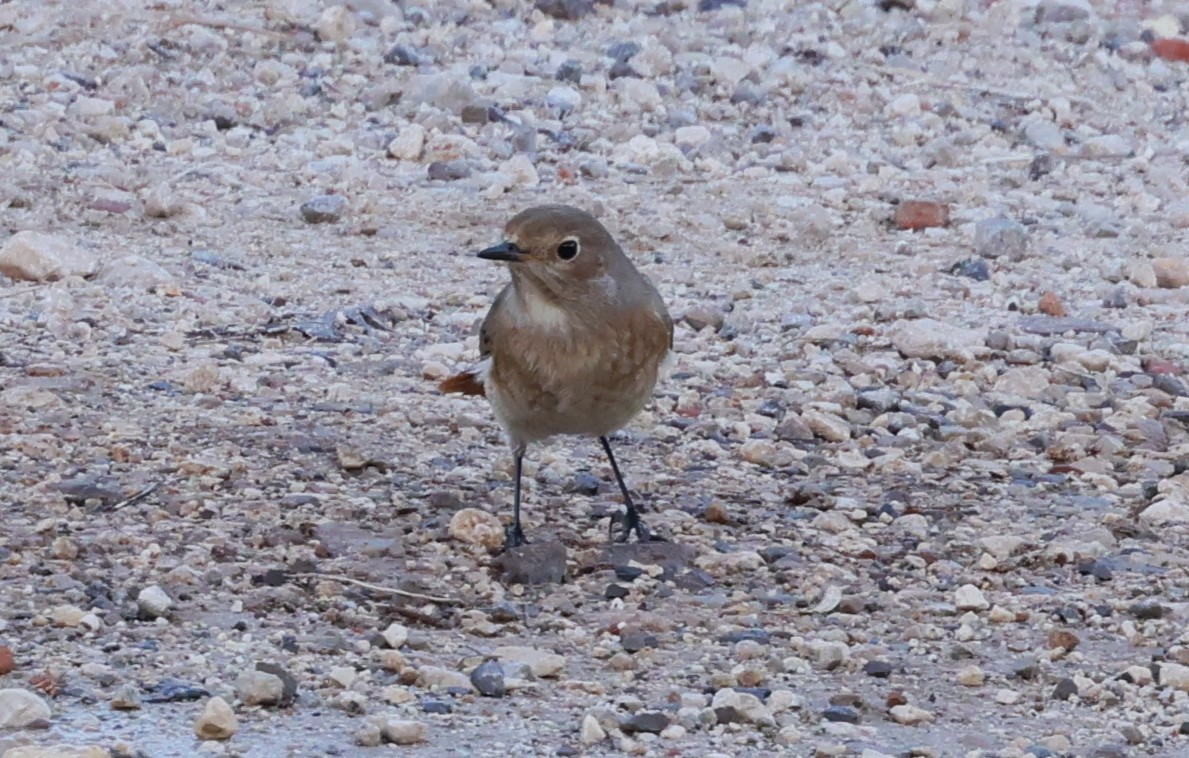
(630, 523)
(514, 537)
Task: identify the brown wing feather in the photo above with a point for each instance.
(466, 383)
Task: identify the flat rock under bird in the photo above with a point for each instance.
(573, 345)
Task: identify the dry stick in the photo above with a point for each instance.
(379, 588)
(215, 23)
(138, 496)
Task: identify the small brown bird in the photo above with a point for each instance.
(573, 345)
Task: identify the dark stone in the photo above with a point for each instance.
(585, 483)
(971, 268)
(565, 10)
(738, 635)
(878, 669)
(652, 722)
(176, 691)
(634, 642)
(476, 114)
(622, 51)
(616, 591)
(402, 55)
(534, 563)
(762, 135)
(713, 5)
(488, 679)
(628, 573)
(622, 70)
(1148, 611)
(1054, 325)
(436, 706)
(728, 714)
(324, 209)
(1040, 751)
(841, 713)
(1065, 689)
(1026, 670)
(1099, 569)
(763, 693)
(450, 171)
(569, 71)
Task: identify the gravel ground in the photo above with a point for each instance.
(922, 459)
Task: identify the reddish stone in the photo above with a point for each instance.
(921, 214)
(1050, 305)
(1171, 49)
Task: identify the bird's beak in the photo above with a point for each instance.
(505, 251)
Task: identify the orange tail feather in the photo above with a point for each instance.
(465, 383)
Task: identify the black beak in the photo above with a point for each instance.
(505, 251)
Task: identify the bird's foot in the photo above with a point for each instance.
(629, 523)
(514, 537)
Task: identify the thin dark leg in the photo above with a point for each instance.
(514, 535)
(630, 521)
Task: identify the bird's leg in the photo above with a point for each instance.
(514, 535)
(630, 521)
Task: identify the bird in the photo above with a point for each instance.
(574, 344)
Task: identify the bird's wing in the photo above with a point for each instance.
(470, 382)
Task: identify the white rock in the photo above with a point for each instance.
(1001, 546)
(971, 676)
(476, 527)
(748, 705)
(543, 663)
(826, 425)
(342, 676)
(591, 732)
(402, 732)
(67, 615)
(408, 144)
(38, 257)
(1023, 381)
(153, 602)
(20, 708)
(1044, 134)
(1141, 274)
(259, 688)
(565, 99)
(436, 677)
(217, 721)
(395, 636)
(336, 24)
(910, 714)
(692, 136)
(521, 170)
(929, 338)
(765, 453)
(970, 598)
(160, 202)
(135, 272)
(1166, 511)
(906, 104)
(1007, 697)
(1171, 273)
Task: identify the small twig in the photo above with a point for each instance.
(17, 292)
(137, 497)
(215, 23)
(379, 588)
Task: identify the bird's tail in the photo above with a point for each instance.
(465, 383)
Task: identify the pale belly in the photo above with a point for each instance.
(575, 394)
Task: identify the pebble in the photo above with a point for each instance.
(7, 660)
(488, 679)
(21, 708)
(591, 732)
(1168, 511)
(1171, 273)
(39, 257)
(324, 209)
(395, 636)
(127, 697)
(544, 664)
(970, 598)
(651, 722)
(921, 214)
(153, 602)
(403, 732)
(409, 144)
(911, 715)
(476, 527)
(217, 721)
(971, 676)
(929, 338)
(1000, 237)
(259, 688)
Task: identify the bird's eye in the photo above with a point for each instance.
(567, 249)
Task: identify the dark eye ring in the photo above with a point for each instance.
(567, 250)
